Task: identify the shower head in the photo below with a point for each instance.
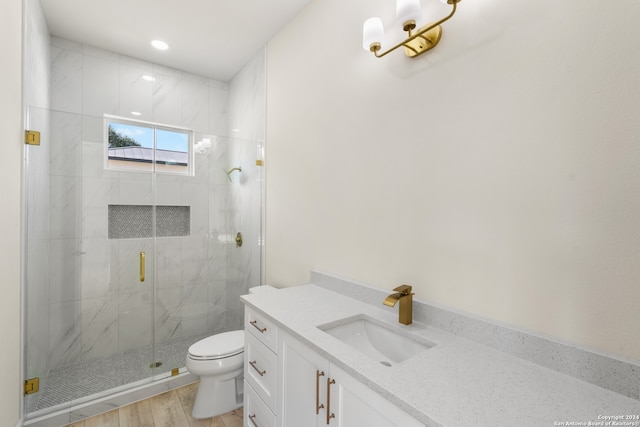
(239, 169)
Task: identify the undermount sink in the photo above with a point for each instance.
(379, 341)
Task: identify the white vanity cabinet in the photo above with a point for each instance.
(302, 385)
(260, 370)
(357, 405)
(289, 385)
(313, 392)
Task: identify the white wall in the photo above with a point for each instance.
(10, 123)
(498, 174)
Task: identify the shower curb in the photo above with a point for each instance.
(81, 411)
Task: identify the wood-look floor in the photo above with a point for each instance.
(170, 409)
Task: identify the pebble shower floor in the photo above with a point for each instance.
(80, 380)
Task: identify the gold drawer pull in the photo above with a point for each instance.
(329, 413)
(251, 417)
(253, 365)
(318, 404)
(255, 325)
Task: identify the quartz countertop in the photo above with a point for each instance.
(457, 382)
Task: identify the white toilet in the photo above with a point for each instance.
(219, 361)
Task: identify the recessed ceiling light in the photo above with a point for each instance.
(148, 78)
(136, 113)
(159, 44)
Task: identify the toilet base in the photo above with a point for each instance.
(217, 397)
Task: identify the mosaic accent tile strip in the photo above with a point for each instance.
(173, 221)
(136, 221)
(130, 221)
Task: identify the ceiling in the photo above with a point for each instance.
(212, 38)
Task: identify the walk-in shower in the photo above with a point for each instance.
(130, 258)
(126, 269)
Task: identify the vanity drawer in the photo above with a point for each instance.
(260, 371)
(261, 328)
(256, 413)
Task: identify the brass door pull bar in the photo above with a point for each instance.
(253, 365)
(329, 413)
(254, 323)
(251, 418)
(318, 404)
(142, 269)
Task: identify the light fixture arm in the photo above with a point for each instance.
(376, 48)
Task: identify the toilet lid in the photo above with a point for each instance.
(224, 344)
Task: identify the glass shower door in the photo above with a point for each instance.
(187, 259)
(89, 269)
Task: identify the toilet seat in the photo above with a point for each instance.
(219, 346)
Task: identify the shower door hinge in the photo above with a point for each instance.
(175, 371)
(32, 137)
(32, 385)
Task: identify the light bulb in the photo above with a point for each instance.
(408, 10)
(372, 32)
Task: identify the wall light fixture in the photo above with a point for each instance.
(417, 42)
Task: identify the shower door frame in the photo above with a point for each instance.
(72, 294)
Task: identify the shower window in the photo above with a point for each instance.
(141, 146)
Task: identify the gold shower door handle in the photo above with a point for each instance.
(142, 266)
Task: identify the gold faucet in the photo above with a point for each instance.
(405, 296)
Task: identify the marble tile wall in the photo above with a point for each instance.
(93, 82)
(247, 100)
(97, 304)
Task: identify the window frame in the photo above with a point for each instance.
(109, 119)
